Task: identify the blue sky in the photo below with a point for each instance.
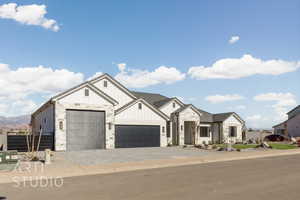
(96, 36)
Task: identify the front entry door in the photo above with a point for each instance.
(189, 132)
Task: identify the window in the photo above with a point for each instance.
(105, 83)
(168, 129)
(45, 120)
(140, 106)
(174, 105)
(232, 131)
(86, 92)
(204, 131)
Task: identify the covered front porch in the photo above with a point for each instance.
(185, 128)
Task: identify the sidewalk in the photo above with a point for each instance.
(63, 168)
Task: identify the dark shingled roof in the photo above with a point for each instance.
(294, 109)
(162, 102)
(156, 100)
(221, 116)
(206, 116)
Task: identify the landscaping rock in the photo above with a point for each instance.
(266, 145)
(293, 140)
(220, 149)
(209, 147)
(245, 150)
(199, 146)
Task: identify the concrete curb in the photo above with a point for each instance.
(71, 170)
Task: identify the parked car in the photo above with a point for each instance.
(276, 138)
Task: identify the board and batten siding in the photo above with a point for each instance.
(45, 120)
(79, 97)
(145, 116)
(293, 126)
(168, 109)
(113, 91)
(232, 121)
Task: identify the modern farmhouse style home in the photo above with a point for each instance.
(103, 114)
(290, 127)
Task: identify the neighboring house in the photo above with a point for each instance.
(281, 128)
(103, 114)
(293, 122)
(290, 127)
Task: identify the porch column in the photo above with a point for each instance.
(171, 133)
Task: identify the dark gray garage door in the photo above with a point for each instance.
(85, 130)
(128, 136)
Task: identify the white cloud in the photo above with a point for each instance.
(28, 14)
(234, 39)
(95, 75)
(258, 121)
(223, 98)
(122, 66)
(23, 106)
(186, 99)
(254, 117)
(3, 109)
(18, 85)
(136, 78)
(234, 68)
(238, 107)
(282, 103)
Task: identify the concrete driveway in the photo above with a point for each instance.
(95, 157)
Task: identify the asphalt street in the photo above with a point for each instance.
(263, 178)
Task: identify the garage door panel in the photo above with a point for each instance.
(85, 130)
(137, 136)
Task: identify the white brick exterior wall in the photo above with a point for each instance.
(207, 140)
(78, 100)
(232, 121)
(60, 116)
(188, 115)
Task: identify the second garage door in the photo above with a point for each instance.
(85, 130)
(129, 136)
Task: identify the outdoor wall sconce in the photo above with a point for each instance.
(61, 125)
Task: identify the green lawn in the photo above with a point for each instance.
(282, 146)
(239, 146)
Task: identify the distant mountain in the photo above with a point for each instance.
(14, 122)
